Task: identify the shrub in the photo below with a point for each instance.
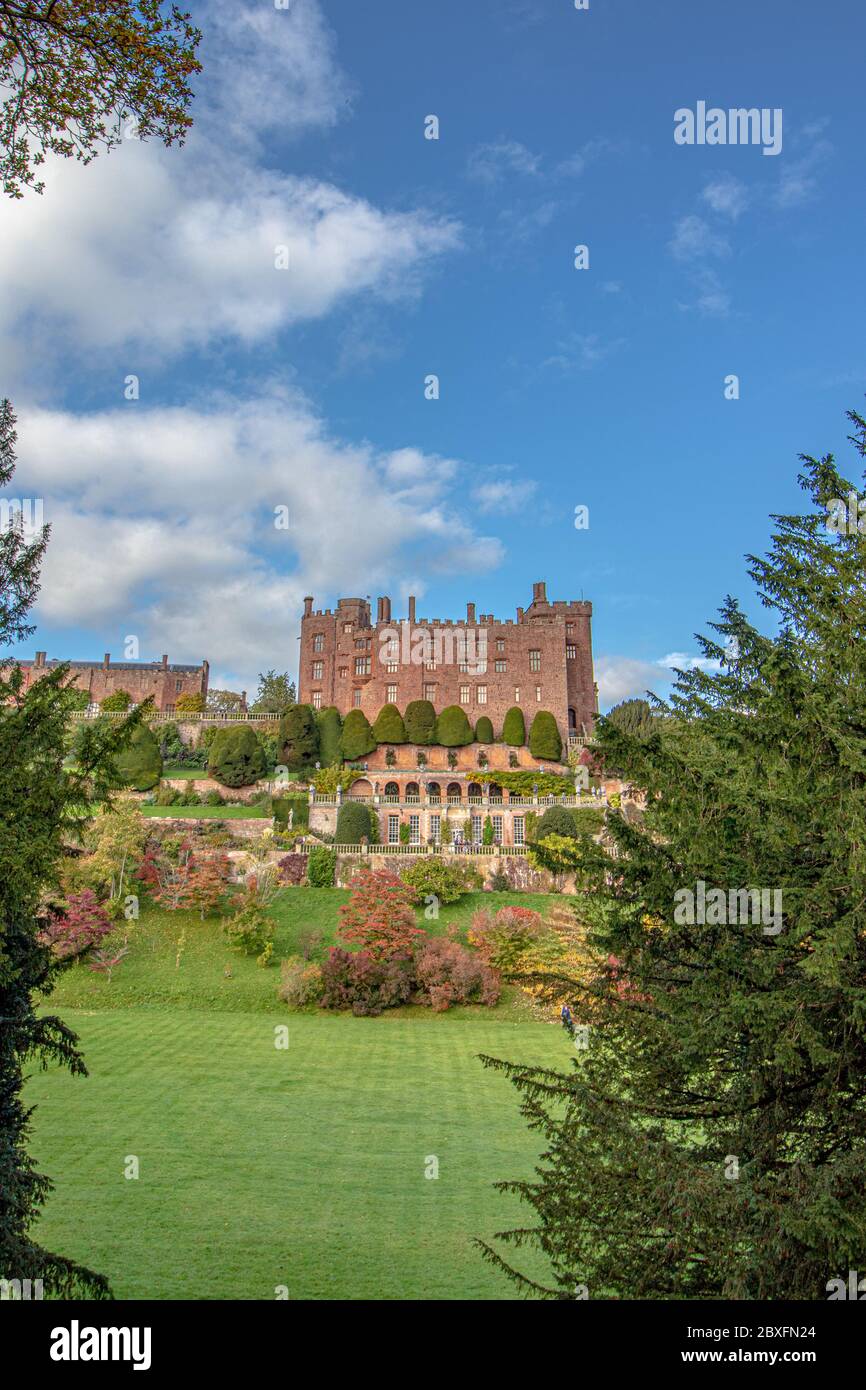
(166, 796)
(513, 760)
(378, 916)
(249, 931)
(433, 875)
(544, 739)
(557, 820)
(389, 726)
(189, 797)
(446, 973)
(83, 924)
(453, 729)
(117, 702)
(299, 736)
(301, 982)
(321, 864)
(420, 722)
(390, 758)
(292, 869)
(498, 882)
(354, 823)
(212, 799)
(191, 703)
(484, 730)
(357, 738)
(330, 726)
(514, 727)
(487, 836)
(364, 984)
(140, 762)
(405, 833)
(503, 940)
(452, 760)
(588, 819)
(236, 757)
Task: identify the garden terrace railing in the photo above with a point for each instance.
(180, 716)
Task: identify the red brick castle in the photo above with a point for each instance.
(541, 660)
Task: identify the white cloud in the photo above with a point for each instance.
(163, 524)
(693, 238)
(629, 678)
(503, 495)
(727, 196)
(491, 163)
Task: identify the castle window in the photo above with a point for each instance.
(356, 699)
(391, 667)
(317, 699)
(500, 644)
(344, 672)
(362, 666)
(518, 830)
(497, 830)
(517, 694)
(463, 666)
(538, 692)
(569, 628)
(535, 661)
(570, 651)
(390, 694)
(414, 830)
(361, 644)
(393, 830)
(481, 694)
(431, 665)
(318, 668)
(436, 829)
(178, 685)
(319, 642)
(464, 694)
(430, 693)
(500, 666)
(347, 627)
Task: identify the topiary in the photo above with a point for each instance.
(420, 722)
(299, 736)
(330, 727)
(453, 729)
(484, 730)
(544, 739)
(354, 823)
(557, 820)
(236, 757)
(514, 728)
(389, 726)
(357, 738)
(140, 763)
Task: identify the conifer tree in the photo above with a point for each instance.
(41, 802)
(710, 1141)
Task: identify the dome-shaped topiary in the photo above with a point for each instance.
(557, 820)
(514, 728)
(330, 727)
(355, 822)
(389, 726)
(140, 762)
(484, 730)
(420, 722)
(544, 739)
(236, 757)
(453, 729)
(357, 738)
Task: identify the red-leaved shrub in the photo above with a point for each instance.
(447, 974)
(363, 984)
(82, 925)
(292, 868)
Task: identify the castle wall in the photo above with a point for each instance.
(540, 661)
(164, 682)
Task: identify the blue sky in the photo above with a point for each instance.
(304, 388)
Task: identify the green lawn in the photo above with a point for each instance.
(262, 1167)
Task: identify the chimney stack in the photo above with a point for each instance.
(308, 605)
(470, 612)
(411, 608)
(106, 661)
(165, 663)
(520, 615)
(386, 609)
(539, 592)
(40, 658)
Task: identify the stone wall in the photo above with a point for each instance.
(163, 682)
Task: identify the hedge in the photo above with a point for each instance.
(484, 730)
(357, 737)
(236, 757)
(514, 728)
(140, 762)
(557, 820)
(544, 739)
(330, 727)
(389, 726)
(420, 723)
(299, 736)
(321, 865)
(453, 729)
(356, 822)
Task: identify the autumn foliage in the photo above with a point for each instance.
(379, 916)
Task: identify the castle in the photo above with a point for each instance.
(542, 660)
(164, 682)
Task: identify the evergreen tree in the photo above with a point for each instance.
(484, 730)
(514, 728)
(236, 757)
(711, 1140)
(330, 727)
(453, 729)
(41, 805)
(420, 723)
(357, 738)
(299, 737)
(140, 763)
(389, 726)
(544, 739)
(634, 715)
